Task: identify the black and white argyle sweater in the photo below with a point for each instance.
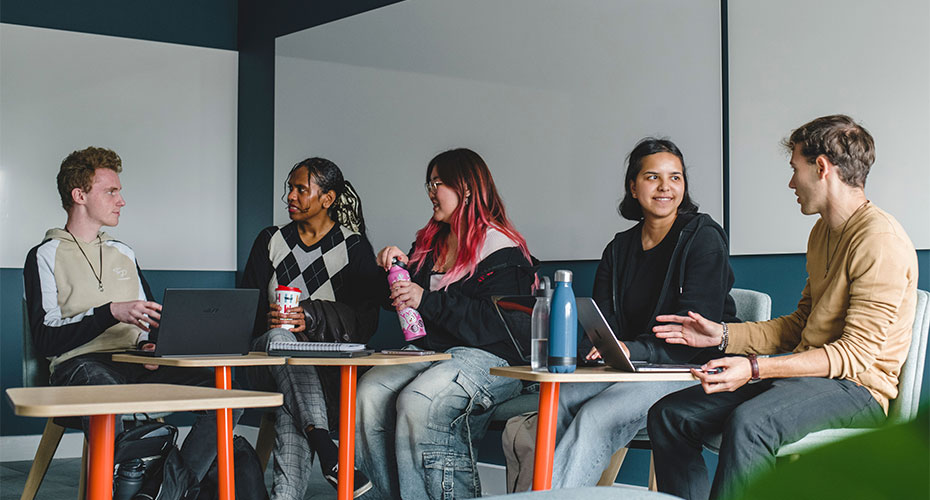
(340, 268)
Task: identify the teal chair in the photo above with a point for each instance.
(750, 306)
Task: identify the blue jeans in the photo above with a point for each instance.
(595, 420)
(416, 424)
(199, 448)
(755, 420)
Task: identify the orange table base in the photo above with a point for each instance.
(545, 435)
(347, 433)
(224, 436)
(102, 436)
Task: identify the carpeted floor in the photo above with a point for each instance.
(61, 482)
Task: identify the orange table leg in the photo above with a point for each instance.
(224, 436)
(347, 434)
(545, 435)
(102, 436)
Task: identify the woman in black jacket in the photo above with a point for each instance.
(417, 422)
(674, 259)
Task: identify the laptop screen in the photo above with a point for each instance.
(516, 312)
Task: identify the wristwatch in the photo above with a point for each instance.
(754, 364)
(726, 338)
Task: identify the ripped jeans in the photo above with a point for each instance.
(424, 448)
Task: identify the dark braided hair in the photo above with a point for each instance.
(347, 209)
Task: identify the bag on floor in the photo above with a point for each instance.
(139, 455)
(519, 443)
(250, 481)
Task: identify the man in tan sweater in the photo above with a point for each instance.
(843, 347)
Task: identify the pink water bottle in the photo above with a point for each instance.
(410, 321)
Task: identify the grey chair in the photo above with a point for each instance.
(750, 306)
(36, 374)
(901, 409)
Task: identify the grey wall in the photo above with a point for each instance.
(553, 96)
(793, 60)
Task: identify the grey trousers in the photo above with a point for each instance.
(303, 406)
(755, 420)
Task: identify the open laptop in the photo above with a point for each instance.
(205, 322)
(600, 333)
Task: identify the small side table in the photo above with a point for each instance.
(549, 404)
(103, 402)
(224, 432)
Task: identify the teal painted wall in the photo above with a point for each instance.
(202, 23)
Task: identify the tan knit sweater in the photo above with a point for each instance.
(860, 312)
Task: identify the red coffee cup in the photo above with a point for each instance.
(287, 298)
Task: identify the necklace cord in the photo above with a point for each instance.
(100, 247)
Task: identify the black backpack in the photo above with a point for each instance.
(250, 482)
(165, 476)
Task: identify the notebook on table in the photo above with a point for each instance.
(317, 349)
(598, 330)
(205, 322)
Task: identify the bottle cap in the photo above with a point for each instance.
(544, 289)
(563, 275)
(396, 262)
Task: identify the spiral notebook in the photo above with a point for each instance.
(318, 349)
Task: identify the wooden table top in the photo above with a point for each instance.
(75, 401)
(250, 359)
(588, 374)
(376, 359)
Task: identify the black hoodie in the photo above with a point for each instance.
(699, 279)
(464, 315)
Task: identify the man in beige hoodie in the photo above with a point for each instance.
(843, 347)
(86, 297)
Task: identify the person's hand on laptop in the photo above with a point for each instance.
(149, 347)
(294, 316)
(693, 330)
(593, 354)
(141, 313)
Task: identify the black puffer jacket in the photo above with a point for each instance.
(699, 279)
(464, 315)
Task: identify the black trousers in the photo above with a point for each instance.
(755, 420)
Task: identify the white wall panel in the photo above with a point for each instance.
(552, 94)
(794, 60)
(168, 110)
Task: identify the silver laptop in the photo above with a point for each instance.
(597, 329)
(205, 322)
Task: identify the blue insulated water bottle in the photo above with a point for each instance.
(563, 325)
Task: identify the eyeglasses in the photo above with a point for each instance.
(432, 186)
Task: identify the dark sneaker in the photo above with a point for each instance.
(362, 483)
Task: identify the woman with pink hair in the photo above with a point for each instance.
(416, 422)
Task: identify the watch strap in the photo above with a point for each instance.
(754, 365)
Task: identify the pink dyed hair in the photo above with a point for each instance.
(463, 170)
